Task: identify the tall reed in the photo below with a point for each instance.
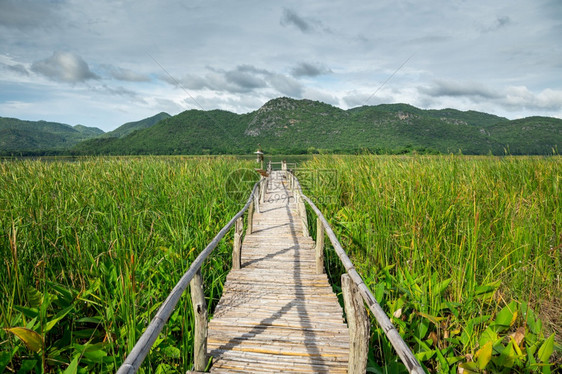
(91, 248)
(448, 238)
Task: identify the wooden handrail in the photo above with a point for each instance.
(147, 339)
(392, 334)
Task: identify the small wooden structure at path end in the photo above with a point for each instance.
(278, 312)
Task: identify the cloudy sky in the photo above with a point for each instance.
(106, 62)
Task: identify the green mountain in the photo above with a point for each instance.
(24, 136)
(129, 127)
(286, 125)
(531, 135)
(290, 126)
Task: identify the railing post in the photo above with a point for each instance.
(200, 315)
(291, 181)
(319, 246)
(251, 218)
(302, 212)
(236, 257)
(284, 165)
(263, 186)
(256, 201)
(358, 325)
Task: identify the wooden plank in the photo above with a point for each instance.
(276, 312)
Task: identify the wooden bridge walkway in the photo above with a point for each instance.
(276, 314)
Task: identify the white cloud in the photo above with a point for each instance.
(26, 14)
(286, 85)
(291, 18)
(64, 67)
(502, 57)
(307, 69)
(123, 74)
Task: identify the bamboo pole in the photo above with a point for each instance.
(263, 187)
(358, 324)
(200, 316)
(257, 197)
(319, 246)
(236, 256)
(304, 218)
(250, 219)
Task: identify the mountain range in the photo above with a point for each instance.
(291, 126)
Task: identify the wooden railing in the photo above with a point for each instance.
(355, 291)
(283, 165)
(193, 277)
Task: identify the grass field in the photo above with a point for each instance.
(91, 248)
(463, 252)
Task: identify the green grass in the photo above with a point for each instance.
(91, 248)
(446, 243)
(462, 252)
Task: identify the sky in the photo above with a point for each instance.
(106, 62)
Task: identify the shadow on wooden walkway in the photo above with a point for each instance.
(276, 314)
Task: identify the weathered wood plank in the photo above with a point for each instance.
(277, 313)
(237, 245)
(359, 326)
(200, 328)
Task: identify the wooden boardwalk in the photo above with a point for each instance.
(276, 314)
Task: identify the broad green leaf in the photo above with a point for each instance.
(5, 358)
(484, 355)
(164, 368)
(66, 296)
(60, 315)
(28, 312)
(486, 290)
(32, 340)
(171, 352)
(466, 335)
(73, 367)
(95, 356)
(379, 292)
(31, 324)
(469, 367)
(506, 317)
(546, 349)
(424, 356)
(508, 356)
(27, 366)
(531, 347)
(444, 365)
(422, 328)
(488, 335)
(453, 360)
(422, 344)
